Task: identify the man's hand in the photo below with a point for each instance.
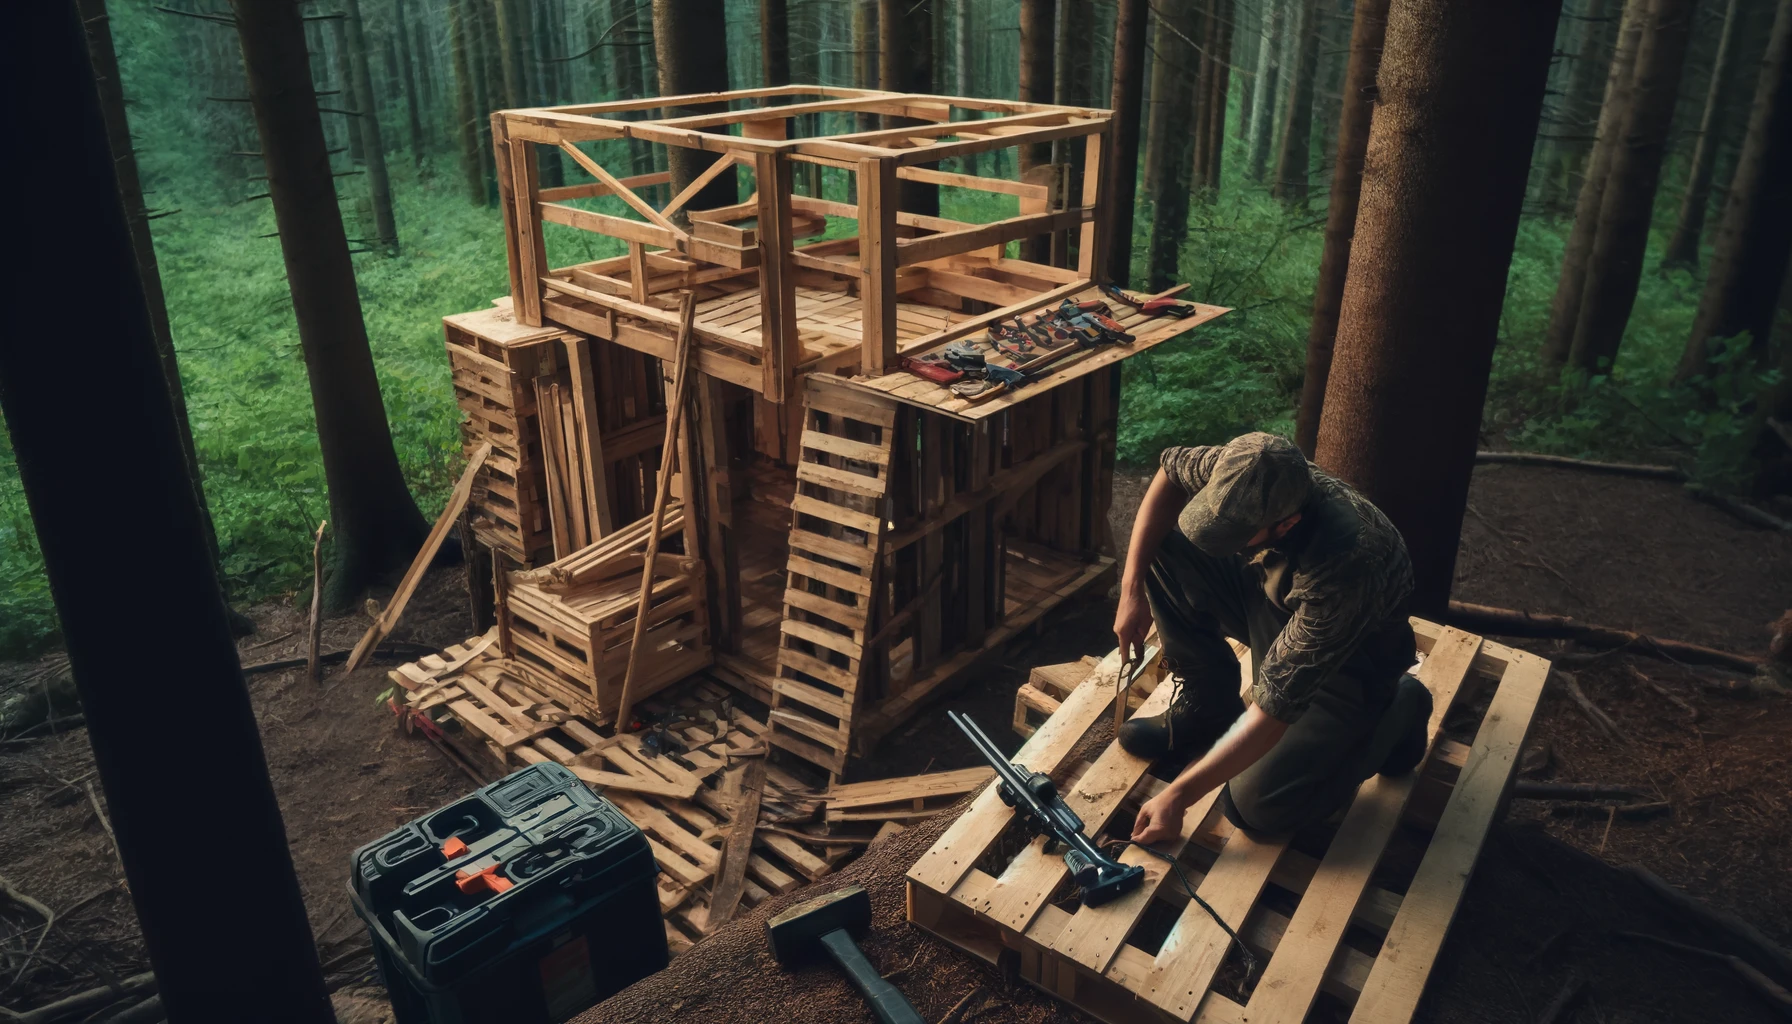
(1160, 818)
(1132, 621)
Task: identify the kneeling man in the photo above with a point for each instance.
(1250, 541)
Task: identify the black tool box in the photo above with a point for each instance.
(522, 903)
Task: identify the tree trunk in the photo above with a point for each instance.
(110, 90)
(1247, 63)
(774, 41)
(1294, 157)
(1461, 86)
(1582, 104)
(1221, 81)
(864, 54)
(1564, 310)
(1169, 225)
(1035, 87)
(509, 58)
(376, 525)
(1170, 62)
(472, 166)
(1264, 90)
(342, 77)
(408, 83)
(1754, 239)
(540, 48)
(905, 64)
(379, 187)
(1125, 98)
(1193, 166)
(693, 58)
(1367, 34)
(1616, 265)
(77, 462)
(1689, 226)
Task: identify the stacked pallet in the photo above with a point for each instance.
(902, 801)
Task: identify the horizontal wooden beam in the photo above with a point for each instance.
(604, 224)
(950, 150)
(654, 315)
(972, 181)
(594, 189)
(932, 247)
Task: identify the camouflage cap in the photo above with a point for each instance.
(1257, 480)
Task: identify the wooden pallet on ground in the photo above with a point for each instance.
(1368, 947)
(904, 800)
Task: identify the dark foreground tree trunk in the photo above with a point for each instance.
(774, 41)
(115, 456)
(1754, 240)
(373, 518)
(1461, 86)
(379, 186)
(1366, 36)
(1295, 155)
(1616, 265)
(1689, 227)
(1564, 308)
(693, 58)
(1125, 99)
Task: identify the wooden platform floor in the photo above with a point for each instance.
(828, 322)
(1351, 913)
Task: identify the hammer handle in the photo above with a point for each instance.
(887, 1002)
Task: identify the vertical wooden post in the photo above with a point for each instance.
(596, 467)
(720, 553)
(637, 272)
(777, 280)
(877, 263)
(522, 222)
(1092, 245)
(977, 542)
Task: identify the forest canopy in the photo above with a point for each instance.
(1234, 202)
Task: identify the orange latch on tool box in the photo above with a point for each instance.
(484, 880)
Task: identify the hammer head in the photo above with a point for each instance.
(796, 933)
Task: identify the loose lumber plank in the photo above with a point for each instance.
(388, 618)
(1410, 950)
(912, 787)
(1291, 981)
(946, 863)
(739, 845)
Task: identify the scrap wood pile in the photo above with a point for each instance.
(727, 827)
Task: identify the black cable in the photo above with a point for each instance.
(1250, 959)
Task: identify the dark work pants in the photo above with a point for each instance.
(1198, 601)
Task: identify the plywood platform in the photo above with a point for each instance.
(829, 322)
(1312, 914)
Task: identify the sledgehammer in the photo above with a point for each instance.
(829, 923)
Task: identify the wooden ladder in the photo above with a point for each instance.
(838, 520)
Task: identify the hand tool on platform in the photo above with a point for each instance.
(829, 923)
(1165, 306)
(1043, 812)
(932, 367)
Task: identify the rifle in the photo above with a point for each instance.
(1035, 797)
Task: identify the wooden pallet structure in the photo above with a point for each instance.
(1325, 924)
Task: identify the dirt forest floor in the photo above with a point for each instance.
(1545, 904)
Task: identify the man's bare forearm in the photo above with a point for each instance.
(1253, 735)
(1157, 514)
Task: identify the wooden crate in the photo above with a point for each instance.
(494, 362)
(584, 634)
(1318, 923)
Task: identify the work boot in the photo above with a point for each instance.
(1188, 729)
(1411, 709)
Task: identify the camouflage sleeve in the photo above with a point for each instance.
(1328, 625)
(1189, 468)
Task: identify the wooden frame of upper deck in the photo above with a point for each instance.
(897, 257)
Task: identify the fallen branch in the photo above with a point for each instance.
(1601, 721)
(1761, 983)
(47, 725)
(1766, 950)
(396, 650)
(106, 824)
(1670, 696)
(957, 1013)
(1629, 812)
(49, 916)
(88, 1001)
(1489, 620)
(1740, 509)
(1528, 790)
(315, 628)
(1586, 465)
(149, 1011)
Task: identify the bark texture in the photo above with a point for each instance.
(1035, 76)
(1564, 309)
(1265, 89)
(905, 64)
(407, 83)
(472, 167)
(1754, 240)
(1689, 226)
(1367, 34)
(375, 522)
(77, 462)
(1625, 211)
(774, 41)
(1171, 64)
(693, 58)
(1294, 156)
(1125, 98)
(1577, 116)
(1461, 85)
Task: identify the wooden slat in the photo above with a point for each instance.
(836, 400)
(833, 577)
(821, 637)
(733, 873)
(840, 479)
(911, 787)
(836, 514)
(1410, 950)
